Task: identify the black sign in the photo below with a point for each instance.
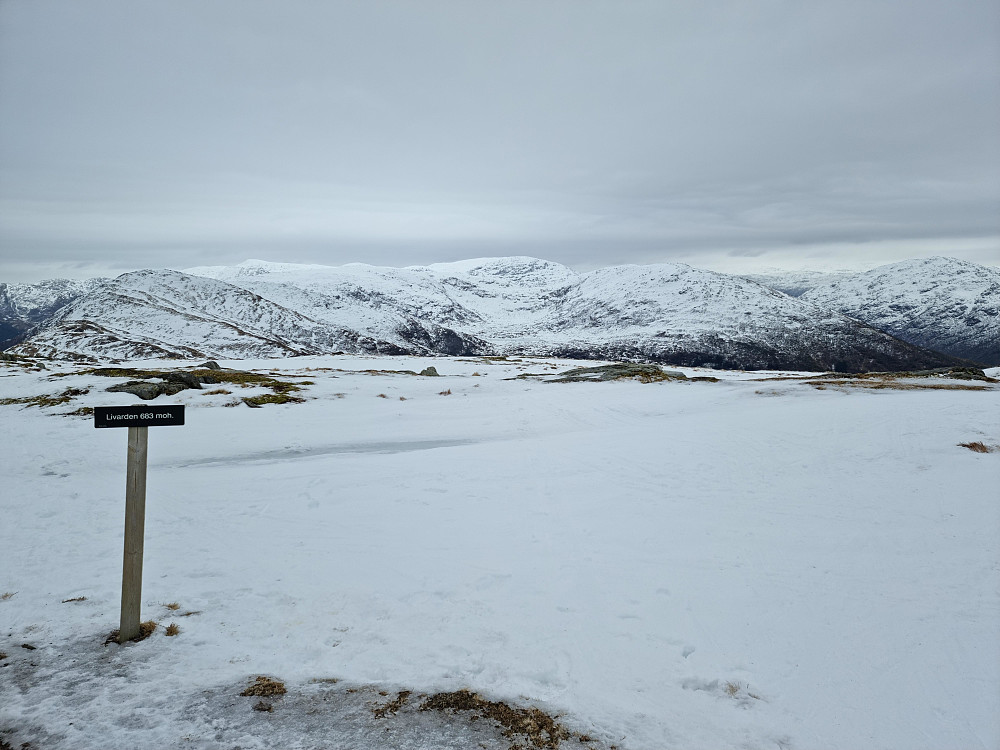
(138, 416)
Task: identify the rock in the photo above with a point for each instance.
(171, 387)
(210, 365)
(187, 379)
(145, 391)
(430, 372)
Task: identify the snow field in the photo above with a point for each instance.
(668, 565)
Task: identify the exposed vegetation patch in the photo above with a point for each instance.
(7, 595)
(174, 381)
(540, 729)
(75, 599)
(890, 384)
(44, 401)
(392, 706)
(256, 402)
(980, 447)
(943, 373)
(265, 687)
(620, 371)
(383, 372)
(16, 360)
(172, 629)
(145, 630)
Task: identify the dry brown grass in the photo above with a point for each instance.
(392, 706)
(75, 599)
(7, 595)
(145, 630)
(2, 655)
(381, 395)
(445, 393)
(173, 606)
(264, 687)
(540, 729)
(172, 629)
(979, 447)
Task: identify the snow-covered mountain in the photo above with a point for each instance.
(165, 313)
(24, 306)
(669, 313)
(944, 304)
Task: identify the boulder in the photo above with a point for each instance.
(145, 391)
(430, 372)
(186, 379)
(210, 365)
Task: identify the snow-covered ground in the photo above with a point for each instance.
(747, 563)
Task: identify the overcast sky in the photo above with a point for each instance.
(732, 135)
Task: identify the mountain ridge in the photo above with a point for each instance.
(669, 313)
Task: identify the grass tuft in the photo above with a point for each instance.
(7, 595)
(173, 606)
(172, 629)
(75, 599)
(445, 393)
(978, 447)
(264, 687)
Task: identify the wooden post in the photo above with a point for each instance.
(135, 522)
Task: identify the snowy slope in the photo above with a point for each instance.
(944, 304)
(795, 283)
(750, 564)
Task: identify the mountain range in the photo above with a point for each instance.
(911, 315)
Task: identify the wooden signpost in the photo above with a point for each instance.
(138, 419)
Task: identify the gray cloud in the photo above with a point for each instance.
(586, 132)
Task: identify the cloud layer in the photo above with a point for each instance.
(137, 133)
